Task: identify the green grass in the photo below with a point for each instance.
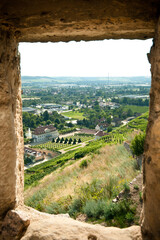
(138, 109)
(34, 174)
(74, 115)
(139, 122)
(89, 189)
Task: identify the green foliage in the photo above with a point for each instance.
(60, 143)
(139, 122)
(68, 130)
(137, 144)
(119, 214)
(28, 159)
(140, 197)
(83, 164)
(79, 154)
(75, 207)
(94, 209)
(37, 172)
(54, 208)
(36, 200)
(126, 187)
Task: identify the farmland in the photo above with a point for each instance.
(54, 146)
(74, 115)
(138, 109)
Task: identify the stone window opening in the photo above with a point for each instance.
(138, 20)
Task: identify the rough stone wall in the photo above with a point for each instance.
(61, 20)
(151, 163)
(11, 135)
(67, 20)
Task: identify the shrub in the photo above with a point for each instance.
(54, 208)
(94, 209)
(83, 164)
(126, 187)
(121, 212)
(75, 207)
(137, 144)
(79, 155)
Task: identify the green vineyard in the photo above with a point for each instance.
(64, 142)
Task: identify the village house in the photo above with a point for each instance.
(99, 134)
(38, 155)
(44, 133)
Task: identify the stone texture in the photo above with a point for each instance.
(14, 225)
(11, 140)
(54, 227)
(151, 162)
(61, 20)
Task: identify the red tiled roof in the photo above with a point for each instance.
(88, 131)
(41, 129)
(29, 150)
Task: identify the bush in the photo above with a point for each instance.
(75, 207)
(137, 144)
(83, 164)
(94, 209)
(54, 208)
(126, 187)
(79, 155)
(121, 212)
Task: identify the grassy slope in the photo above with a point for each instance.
(34, 174)
(62, 186)
(58, 191)
(74, 115)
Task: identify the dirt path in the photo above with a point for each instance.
(64, 150)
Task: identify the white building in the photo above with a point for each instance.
(29, 134)
(44, 133)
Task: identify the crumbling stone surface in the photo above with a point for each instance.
(45, 226)
(61, 20)
(11, 134)
(14, 225)
(151, 162)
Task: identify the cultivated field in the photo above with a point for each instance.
(74, 115)
(60, 145)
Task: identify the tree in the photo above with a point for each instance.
(74, 142)
(57, 121)
(58, 139)
(70, 124)
(66, 140)
(137, 144)
(109, 129)
(46, 116)
(70, 140)
(109, 120)
(129, 113)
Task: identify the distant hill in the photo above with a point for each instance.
(41, 80)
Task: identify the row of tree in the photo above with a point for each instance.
(66, 140)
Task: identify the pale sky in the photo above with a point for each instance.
(86, 59)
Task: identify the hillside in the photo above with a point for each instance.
(85, 181)
(79, 187)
